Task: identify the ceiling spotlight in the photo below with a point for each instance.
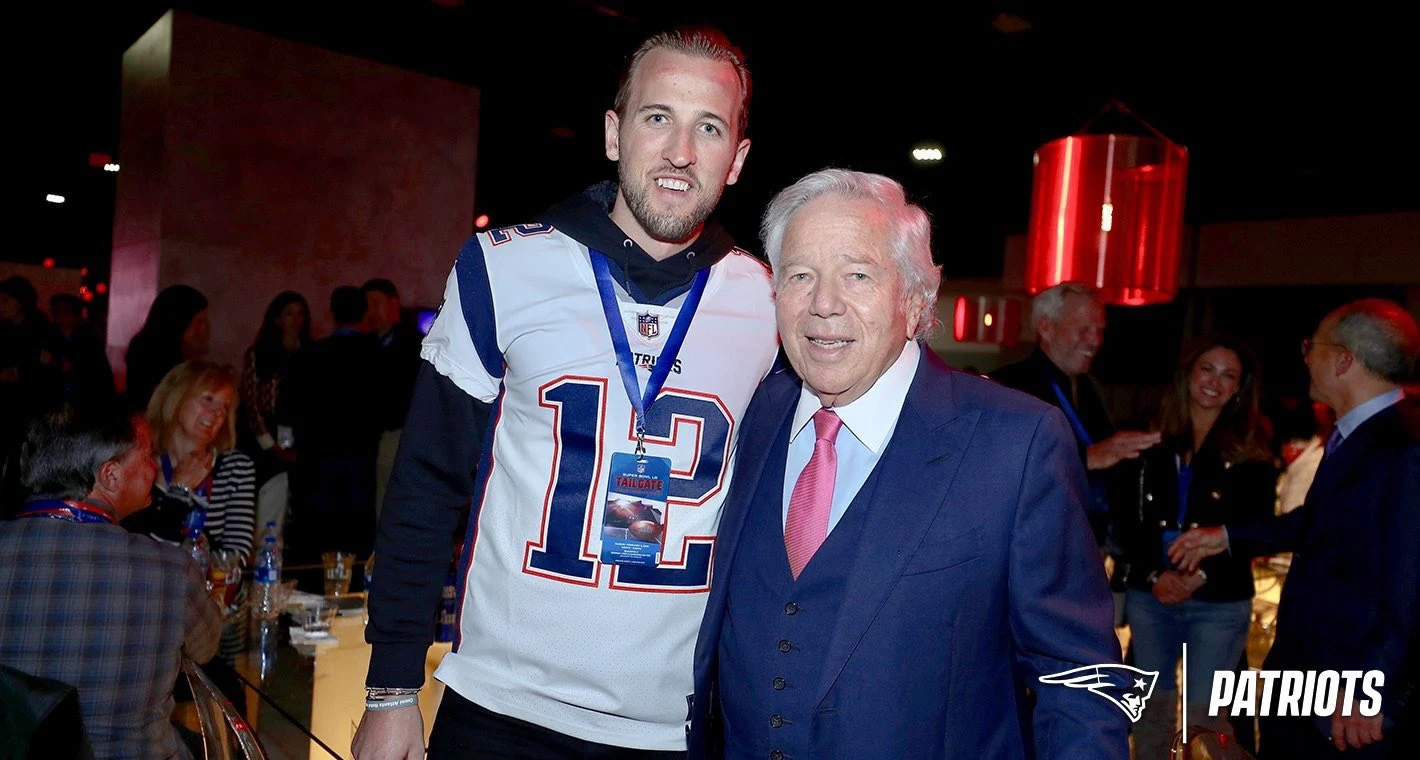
(110, 167)
(927, 155)
(52, 198)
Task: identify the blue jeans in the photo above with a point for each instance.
(1216, 633)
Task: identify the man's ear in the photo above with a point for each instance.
(106, 480)
(612, 127)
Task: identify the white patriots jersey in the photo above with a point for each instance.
(548, 633)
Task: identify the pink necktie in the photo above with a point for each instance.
(809, 505)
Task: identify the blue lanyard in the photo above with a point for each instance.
(1185, 482)
(1069, 410)
(69, 511)
(612, 311)
(203, 489)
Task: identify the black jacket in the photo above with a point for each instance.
(1352, 597)
(332, 388)
(398, 363)
(1033, 375)
(1145, 504)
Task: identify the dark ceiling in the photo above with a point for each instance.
(1286, 112)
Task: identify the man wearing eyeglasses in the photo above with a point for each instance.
(1351, 601)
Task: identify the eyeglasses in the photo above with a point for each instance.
(1308, 343)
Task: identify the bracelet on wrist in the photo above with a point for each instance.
(391, 704)
(379, 692)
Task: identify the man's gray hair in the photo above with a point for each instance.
(1050, 304)
(1381, 335)
(910, 230)
(63, 452)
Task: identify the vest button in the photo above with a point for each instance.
(780, 683)
(785, 646)
(791, 609)
(777, 754)
(776, 721)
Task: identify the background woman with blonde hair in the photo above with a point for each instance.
(193, 414)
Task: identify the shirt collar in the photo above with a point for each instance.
(1348, 422)
(872, 416)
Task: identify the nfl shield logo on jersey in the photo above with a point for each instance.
(649, 325)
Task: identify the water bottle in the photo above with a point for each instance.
(196, 519)
(195, 545)
(369, 574)
(267, 634)
(270, 532)
(266, 577)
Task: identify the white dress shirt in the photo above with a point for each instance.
(868, 424)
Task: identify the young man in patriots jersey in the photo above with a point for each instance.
(582, 389)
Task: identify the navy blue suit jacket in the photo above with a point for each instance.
(1351, 600)
(977, 528)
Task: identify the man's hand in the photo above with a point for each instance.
(1356, 731)
(396, 734)
(1174, 587)
(1119, 447)
(1197, 545)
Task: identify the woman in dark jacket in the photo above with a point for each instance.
(285, 330)
(1213, 466)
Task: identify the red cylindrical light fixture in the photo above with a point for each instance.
(1107, 210)
(987, 319)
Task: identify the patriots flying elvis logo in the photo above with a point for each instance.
(1127, 687)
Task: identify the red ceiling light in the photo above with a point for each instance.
(101, 288)
(100, 160)
(963, 318)
(480, 221)
(48, 263)
(1107, 209)
(987, 319)
(87, 296)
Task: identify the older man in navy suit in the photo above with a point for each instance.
(904, 549)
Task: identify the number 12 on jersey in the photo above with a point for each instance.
(571, 511)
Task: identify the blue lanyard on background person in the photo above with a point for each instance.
(624, 361)
(203, 489)
(1185, 483)
(1069, 410)
(67, 510)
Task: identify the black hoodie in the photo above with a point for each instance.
(586, 218)
(439, 453)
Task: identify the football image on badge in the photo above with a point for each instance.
(634, 520)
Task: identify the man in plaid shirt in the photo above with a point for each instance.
(85, 602)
